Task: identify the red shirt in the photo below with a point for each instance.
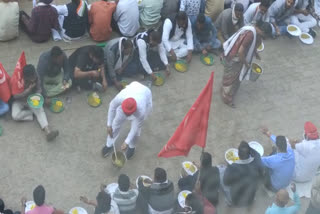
(100, 16)
(44, 209)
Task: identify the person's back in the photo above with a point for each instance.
(210, 184)
(150, 12)
(169, 8)
(76, 22)
(100, 16)
(9, 20)
(127, 17)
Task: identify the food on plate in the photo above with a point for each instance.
(292, 28)
(258, 70)
(59, 103)
(146, 182)
(184, 194)
(305, 36)
(118, 163)
(74, 211)
(32, 206)
(180, 67)
(260, 47)
(231, 156)
(35, 102)
(94, 99)
(35, 98)
(158, 81)
(207, 60)
(190, 167)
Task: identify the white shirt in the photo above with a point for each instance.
(114, 208)
(307, 160)
(253, 14)
(116, 116)
(142, 47)
(127, 17)
(167, 26)
(9, 20)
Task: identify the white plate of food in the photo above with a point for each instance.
(257, 146)
(231, 155)
(182, 197)
(78, 210)
(189, 167)
(261, 47)
(30, 205)
(306, 38)
(293, 30)
(144, 183)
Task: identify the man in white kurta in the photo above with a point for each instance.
(307, 158)
(139, 99)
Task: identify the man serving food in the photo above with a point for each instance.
(132, 103)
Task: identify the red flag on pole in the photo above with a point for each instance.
(193, 129)
(16, 81)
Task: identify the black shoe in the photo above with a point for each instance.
(106, 151)
(312, 33)
(130, 153)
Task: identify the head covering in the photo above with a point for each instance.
(46, 1)
(129, 106)
(310, 130)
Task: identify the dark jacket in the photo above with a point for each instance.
(243, 180)
(75, 25)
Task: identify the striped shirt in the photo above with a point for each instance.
(126, 201)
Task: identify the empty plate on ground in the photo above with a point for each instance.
(182, 197)
(257, 146)
(306, 38)
(143, 177)
(78, 210)
(293, 30)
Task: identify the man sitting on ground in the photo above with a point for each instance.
(209, 179)
(150, 13)
(126, 17)
(257, 12)
(125, 197)
(160, 195)
(282, 199)
(100, 16)
(53, 80)
(229, 22)
(39, 196)
(306, 153)
(43, 18)
(175, 30)
(279, 15)
(204, 35)
(314, 206)
(103, 203)
(117, 55)
(22, 112)
(9, 20)
(241, 178)
(88, 68)
(73, 19)
(280, 164)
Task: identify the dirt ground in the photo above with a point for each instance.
(284, 98)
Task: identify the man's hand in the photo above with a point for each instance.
(32, 85)
(183, 173)
(84, 199)
(293, 187)
(305, 12)
(204, 52)
(154, 77)
(277, 31)
(94, 74)
(173, 55)
(124, 146)
(23, 201)
(110, 131)
(104, 85)
(189, 56)
(265, 131)
(168, 72)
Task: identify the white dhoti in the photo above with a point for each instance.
(179, 47)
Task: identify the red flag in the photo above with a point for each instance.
(193, 129)
(17, 82)
(5, 92)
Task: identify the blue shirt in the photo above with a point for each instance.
(281, 165)
(206, 33)
(274, 209)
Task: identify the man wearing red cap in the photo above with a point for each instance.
(133, 103)
(307, 158)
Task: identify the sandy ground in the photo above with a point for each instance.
(284, 98)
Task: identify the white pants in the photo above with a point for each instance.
(303, 22)
(116, 130)
(21, 113)
(317, 7)
(179, 48)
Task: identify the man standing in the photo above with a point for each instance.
(53, 80)
(132, 103)
(307, 158)
(204, 34)
(229, 22)
(174, 32)
(126, 17)
(87, 66)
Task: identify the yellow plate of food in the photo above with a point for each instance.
(207, 59)
(231, 155)
(189, 167)
(78, 210)
(94, 99)
(293, 30)
(57, 105)
(160, 79)
(182, 197)
(181, 66)
(306, 38)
